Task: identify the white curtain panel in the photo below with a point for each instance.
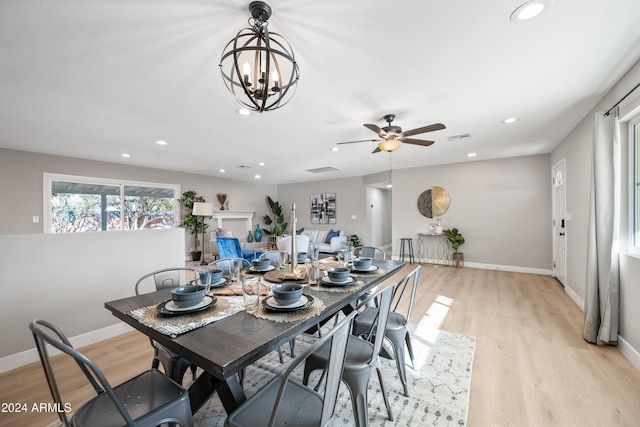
(602, 306)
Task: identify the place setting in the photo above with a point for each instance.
(339, 279)
(287, 302)
(260, 266)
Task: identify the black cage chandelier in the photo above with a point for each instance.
(259, 67)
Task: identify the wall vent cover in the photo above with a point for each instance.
(459, 137)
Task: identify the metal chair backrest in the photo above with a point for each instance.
(95, 376)
(273, 256)
(384, 298)
(166, 278)
(407, 286)
(226, 264)
(372, 252)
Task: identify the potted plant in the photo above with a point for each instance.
(355, 243)
(191, 222)
(276, 225)
(456, 239)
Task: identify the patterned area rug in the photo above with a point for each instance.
(438, 386)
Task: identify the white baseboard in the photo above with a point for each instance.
(17, 360)
(629, 352)
(515, 269)
(572, 294)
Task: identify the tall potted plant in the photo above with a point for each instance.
(277, 225)
(191, 222)
(456, 239)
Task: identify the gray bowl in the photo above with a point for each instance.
(186, 296)
(338, 274)
(286, 294)
(362, 263)
(216, 275)
(261, 264)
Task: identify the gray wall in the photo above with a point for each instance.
(501, 207)
(350, 200)
(577, 150)
(67, 278)
(21, 192)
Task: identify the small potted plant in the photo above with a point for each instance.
(456, 239)
(355, 243)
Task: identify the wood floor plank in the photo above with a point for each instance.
(531, 366)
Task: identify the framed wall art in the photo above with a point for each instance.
(323, 208)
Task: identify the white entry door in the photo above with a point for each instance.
(559, 224)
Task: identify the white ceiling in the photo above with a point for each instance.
(95, 78)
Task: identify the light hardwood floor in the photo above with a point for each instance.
(531, 366)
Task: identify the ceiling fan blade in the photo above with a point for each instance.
(377, 150)
(424, 129)
(413, 141)
(376, 129)
(353, 142)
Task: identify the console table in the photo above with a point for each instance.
(434, 249)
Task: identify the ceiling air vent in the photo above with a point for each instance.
(459, 137)
(323, 170)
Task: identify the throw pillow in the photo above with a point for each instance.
(298, 232)
(331, 234)
(220, 232)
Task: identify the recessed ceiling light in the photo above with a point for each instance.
(127, 155)
(472, 154)
(261, 164)
(161, 142)
(257, 177)
(529, 10)
(222, 171)
(389, 185)
(243, 111)
(510, 120)
(335, 149)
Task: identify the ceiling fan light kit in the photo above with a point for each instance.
(259, 67)
(393, 136)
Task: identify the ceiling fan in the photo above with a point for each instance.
(393, 136)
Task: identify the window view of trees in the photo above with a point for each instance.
(82, 207)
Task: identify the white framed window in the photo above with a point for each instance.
(77, 204)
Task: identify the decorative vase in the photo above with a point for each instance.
(439, 228)
(250, 237)
(222, 198)
(258, 233)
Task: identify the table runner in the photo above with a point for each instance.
(173, 326)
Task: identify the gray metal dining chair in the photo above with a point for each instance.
(397, 327)
(174, 365)
(372, 252)
(285, 401)
(273, 256)
(362, 357)
(149, 399)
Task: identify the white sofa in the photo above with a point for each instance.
(319, 237)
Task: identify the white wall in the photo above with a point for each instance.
(577, 150)
(67, 278)
(379, 217)
(501, 207)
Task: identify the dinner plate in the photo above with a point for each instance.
(252, 269)
(326, 281)
(170, 308)
(270, 303)
(220, 283)
(366, 270)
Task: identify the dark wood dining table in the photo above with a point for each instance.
(225, 347)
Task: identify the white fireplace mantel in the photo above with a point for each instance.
(246, 215)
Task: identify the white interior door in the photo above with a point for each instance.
(559, 223)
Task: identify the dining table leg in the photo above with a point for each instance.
(230, 392)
